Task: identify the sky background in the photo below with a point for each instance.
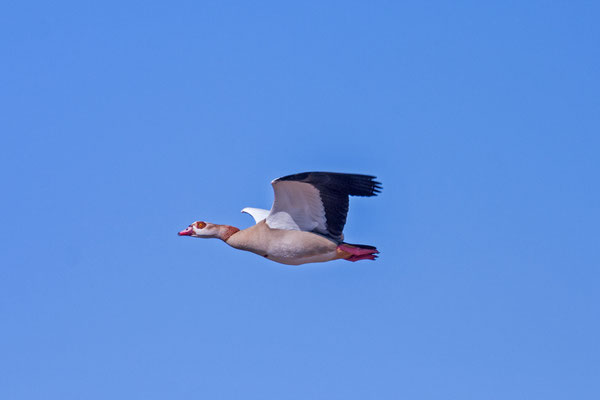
(123, 122)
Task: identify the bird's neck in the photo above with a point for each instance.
(226, 231)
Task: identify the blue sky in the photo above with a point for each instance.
(124, 122)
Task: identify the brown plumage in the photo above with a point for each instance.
(305, 223)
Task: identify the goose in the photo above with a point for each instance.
(304, 224)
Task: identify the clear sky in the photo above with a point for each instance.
(123, 122)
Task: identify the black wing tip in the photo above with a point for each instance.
(304, 175)
(376, 189)
(356, 184)
(368, 188)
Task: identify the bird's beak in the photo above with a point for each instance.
(186, 232)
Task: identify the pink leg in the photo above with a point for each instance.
(363, 257)
(358, 253)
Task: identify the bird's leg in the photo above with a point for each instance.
(353, 253)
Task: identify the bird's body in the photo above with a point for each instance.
(284, 246)
(305, 223)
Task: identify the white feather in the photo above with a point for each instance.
(297, 206)
(257, 213)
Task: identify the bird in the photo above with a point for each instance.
(305, 223)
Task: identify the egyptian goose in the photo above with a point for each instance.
(305, 223)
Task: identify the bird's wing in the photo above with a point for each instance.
(257, 213)
(317, 201)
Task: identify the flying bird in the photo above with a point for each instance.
(304, 224)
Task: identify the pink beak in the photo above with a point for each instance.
(186, 232)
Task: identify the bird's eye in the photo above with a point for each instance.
(200, 224)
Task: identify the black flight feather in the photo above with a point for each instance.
(334, 189)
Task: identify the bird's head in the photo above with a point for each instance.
(202, 229)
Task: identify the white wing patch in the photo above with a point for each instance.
(257, 213)
(297, 206)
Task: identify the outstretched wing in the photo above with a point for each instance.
(257, 213)
(317, 201)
